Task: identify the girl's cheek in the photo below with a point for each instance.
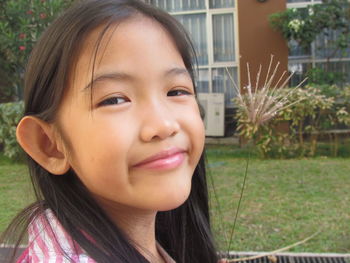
(196, 130)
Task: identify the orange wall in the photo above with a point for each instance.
(257, 40)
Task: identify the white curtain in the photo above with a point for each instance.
(195, 24)
(223, 37)
(221, 3)
(179, 5)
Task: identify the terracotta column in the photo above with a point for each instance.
(257, 40)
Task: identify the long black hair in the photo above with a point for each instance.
(183, 232)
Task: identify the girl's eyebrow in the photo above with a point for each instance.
(126, 77)
(177, 71)
(108, 76)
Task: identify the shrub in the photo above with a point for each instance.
(10, 115)
(313, 110)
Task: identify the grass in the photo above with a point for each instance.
(15, 191)
(284, 201)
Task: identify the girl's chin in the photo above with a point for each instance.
(173, 201)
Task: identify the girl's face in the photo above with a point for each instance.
(137, 143)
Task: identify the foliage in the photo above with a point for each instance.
(21, 23)
(10, 115)
(320, 76)
(304, 26)
(313, 110)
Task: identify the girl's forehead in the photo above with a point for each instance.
(117, 37)
(118, 43)
(108, 36)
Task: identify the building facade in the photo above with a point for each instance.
(225, 41)
(229, 34)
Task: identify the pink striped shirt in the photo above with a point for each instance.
(47, 239)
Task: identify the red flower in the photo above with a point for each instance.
(22, 48)
(43, 15)
(22, 36)
(29, 12)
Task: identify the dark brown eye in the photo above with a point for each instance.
(178, 92)
(113, 101)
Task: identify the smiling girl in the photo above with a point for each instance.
(114, 140)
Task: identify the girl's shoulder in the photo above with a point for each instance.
(49, 242)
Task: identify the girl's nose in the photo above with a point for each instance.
(158, 123)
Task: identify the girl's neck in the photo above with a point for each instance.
(139, 227)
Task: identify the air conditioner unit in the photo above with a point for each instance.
(214, 110)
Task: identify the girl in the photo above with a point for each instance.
(114, 140)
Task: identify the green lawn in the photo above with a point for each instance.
(15, 190)
(284, 201)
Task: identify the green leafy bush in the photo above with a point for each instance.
(21, 24)
(10, 115)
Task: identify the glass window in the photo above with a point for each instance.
(340, 68)
(179, 5)
(222, 83)
(202, 81)
(296, 51)
(223, 38)
(299, 70)
(325, 45)
(221, 3)
(195, 24)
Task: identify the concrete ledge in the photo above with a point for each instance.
(222, 140)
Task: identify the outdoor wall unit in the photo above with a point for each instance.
(213, 105)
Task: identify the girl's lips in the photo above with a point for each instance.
(164, 160)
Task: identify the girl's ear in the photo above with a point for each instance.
(40, 141)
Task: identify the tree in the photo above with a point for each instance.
(304, 26)
(21, 24)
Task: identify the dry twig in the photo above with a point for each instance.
(273, 252)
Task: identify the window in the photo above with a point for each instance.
(195, 23)
(222, 83)
(179, 5)
(211, 25)
(224, 46)
(221, 3)
(337, 67)
(298, 70)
